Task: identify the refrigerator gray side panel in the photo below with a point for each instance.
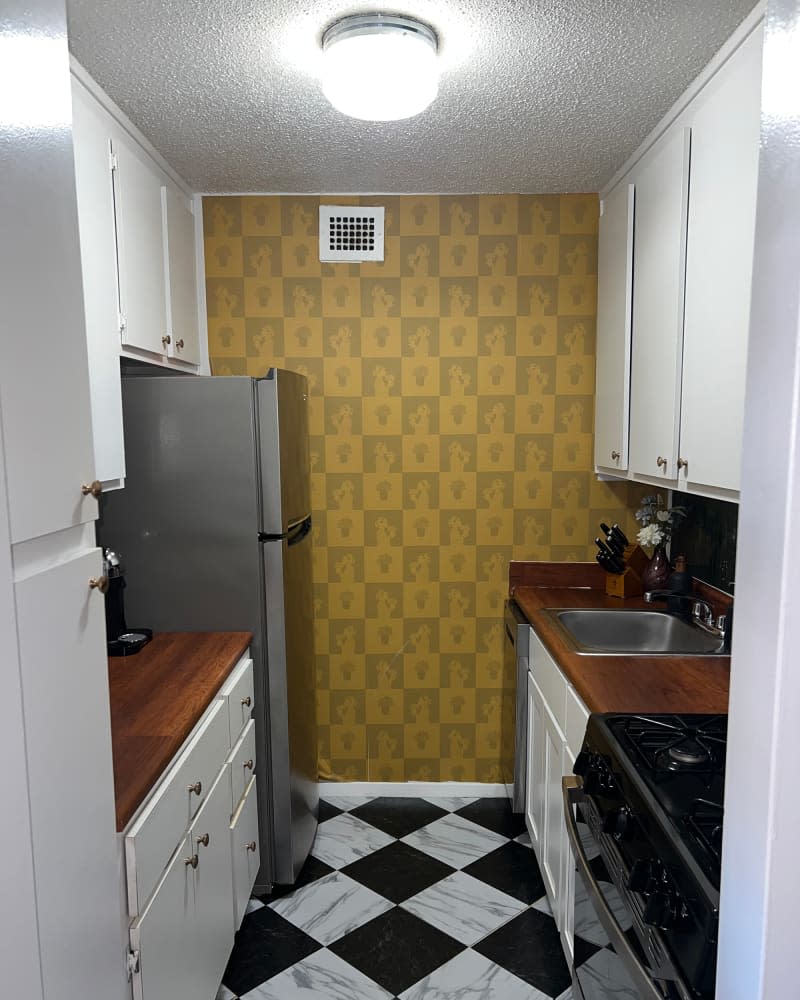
(283, 436)
(291, 684)
(186, 525)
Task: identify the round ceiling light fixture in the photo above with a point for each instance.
(379, 67)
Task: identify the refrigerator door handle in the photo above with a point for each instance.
(298, 531)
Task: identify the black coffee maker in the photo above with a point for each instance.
(120, 640)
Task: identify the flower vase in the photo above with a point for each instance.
(656, 572)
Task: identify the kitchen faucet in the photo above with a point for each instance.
(702, 614)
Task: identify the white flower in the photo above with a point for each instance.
(663, 515)
(650, 535)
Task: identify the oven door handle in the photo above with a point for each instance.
(572, 793)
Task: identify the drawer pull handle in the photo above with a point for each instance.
(661, 462)
(95, 488)
(204, 840)
(166, 341)
(682, 463)
(249, 764)
(251, 846)
(99, 583)
(247, 702)
(614, 456)
(179, 344)
(197, 788)
(192, 862)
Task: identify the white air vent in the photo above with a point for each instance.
(350, 234)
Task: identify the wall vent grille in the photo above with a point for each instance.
(350, 234)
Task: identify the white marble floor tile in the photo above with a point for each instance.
(225, 994)
(566, 995)
(253, 905)
(345, 838)
(587, 925)
(604, 975)
(524, 839)
(463, 907)
(451, 802)
(331, 907)
(543, 906)
(455, 840)
(470, 976)
(345, 801)
(321, 975)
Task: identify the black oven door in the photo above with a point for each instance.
(617, 966)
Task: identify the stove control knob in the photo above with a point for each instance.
(617, 822)
(661, 909)
(641, 877)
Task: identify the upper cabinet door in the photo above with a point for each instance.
(722, 210)
(100, 296)
(659, 258)
(140, 249)
(614, 301)
(182, 290)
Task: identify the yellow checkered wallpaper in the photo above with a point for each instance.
(451, 419)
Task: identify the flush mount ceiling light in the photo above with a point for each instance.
(379, 67)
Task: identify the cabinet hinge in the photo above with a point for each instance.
(132, 964)
(113, 159)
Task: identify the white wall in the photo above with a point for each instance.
(761, 871)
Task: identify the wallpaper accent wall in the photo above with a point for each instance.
(452, 399)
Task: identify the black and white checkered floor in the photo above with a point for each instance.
(406, 897)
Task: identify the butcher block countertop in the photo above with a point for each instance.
(157, 697)
(625, 683)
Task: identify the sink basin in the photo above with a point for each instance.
(605, 631)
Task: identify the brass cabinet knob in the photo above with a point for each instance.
(197, 788)
(95, 488)
(99, 583)
(247, 702)
(166, 341)
(614, 456)
(682, 464)
(251, 846)
(179, 344)
(249, 764)
(661, 462)
(193, 861)
(204, 840)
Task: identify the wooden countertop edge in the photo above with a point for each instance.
(157, 698)
(617, 683)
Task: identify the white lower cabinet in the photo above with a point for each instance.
(184, 898)
(556, 724)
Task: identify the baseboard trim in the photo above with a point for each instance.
(414, 789)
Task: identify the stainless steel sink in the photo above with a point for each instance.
(607, 631)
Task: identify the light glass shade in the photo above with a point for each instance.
(379, 68)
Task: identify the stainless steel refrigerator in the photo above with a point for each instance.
(214, 528)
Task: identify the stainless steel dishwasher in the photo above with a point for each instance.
(515, 651)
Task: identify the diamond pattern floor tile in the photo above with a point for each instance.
(406, 899)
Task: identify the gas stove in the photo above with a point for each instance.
(653, 802)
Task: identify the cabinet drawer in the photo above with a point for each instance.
(243, 761)
(551, 681)
(168, 812)
(240, 695)
(246, 860)
(577, 717)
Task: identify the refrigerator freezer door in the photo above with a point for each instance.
(283, 434)
(291, 684)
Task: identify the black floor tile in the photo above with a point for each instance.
(312, 870)
(397, 871)
(396, 949)
(583, 950)
(327, 811)
(512, 868)
(265, 945)
(530, 947)
(398, 816)
(494, 814)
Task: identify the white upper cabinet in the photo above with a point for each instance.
(719, 263)
(662, 191)
(140, 249)
(178, 222)
(614, 297)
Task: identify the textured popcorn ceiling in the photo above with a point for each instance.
(539, 96)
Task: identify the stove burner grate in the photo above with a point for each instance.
(668, 743)
(704, 821)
